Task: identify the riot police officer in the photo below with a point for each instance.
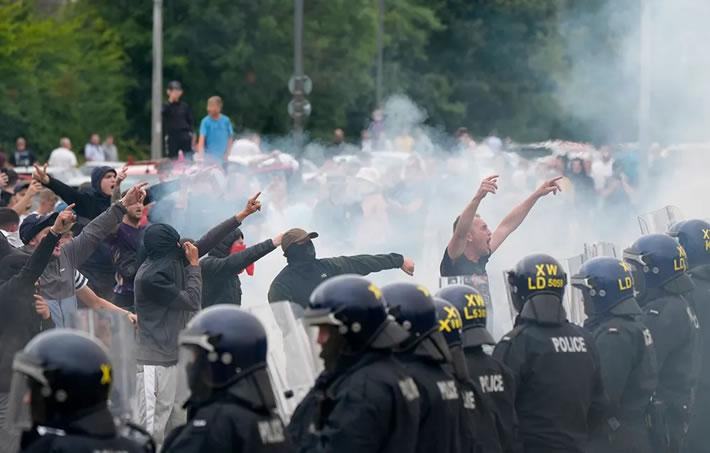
(67, 376)
(694, 236)
(231, 405)
(492, 377)
(658, 264)
(555, 363)
(628, 359)
(364, 400)
(423, 354)
(480, 422)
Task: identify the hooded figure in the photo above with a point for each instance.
(168, 293)
(89, 204)
(220, 282)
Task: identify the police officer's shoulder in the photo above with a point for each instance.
(515, 333)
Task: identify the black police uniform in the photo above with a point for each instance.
(369, 405)
(493, 381)
(93, 432)
(629, 373)
(439, 427)
(365, 400)
(558, 381)
(423, 354)
(496, 381)
(236, 421)
(674, 327)
(694, 236)
(659, 266)
(700, 419)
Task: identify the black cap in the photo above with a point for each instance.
(34, 223)
(174, 85)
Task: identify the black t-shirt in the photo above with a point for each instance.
(462, 266)
(177, 117)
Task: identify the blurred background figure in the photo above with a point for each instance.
(63, 157)
(93, 151)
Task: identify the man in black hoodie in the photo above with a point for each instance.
(168, 290)
(99, 268)
(304, 272)
(21, 318)
(220, 282)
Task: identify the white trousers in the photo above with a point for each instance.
(161, 394)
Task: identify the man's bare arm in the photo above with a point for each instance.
(513, 220)
(457, 244)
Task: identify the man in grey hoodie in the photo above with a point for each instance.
(56, 284)
(168, 290)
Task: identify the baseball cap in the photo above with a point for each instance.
(34, 223)
(295, 235)
(174, 85)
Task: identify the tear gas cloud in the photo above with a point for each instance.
(404, 195)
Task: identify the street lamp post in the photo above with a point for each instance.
(299, 85)
(380, 46)
(157, 89)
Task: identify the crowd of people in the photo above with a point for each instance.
(403, 369)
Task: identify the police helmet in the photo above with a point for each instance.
(694, 236)
(605, 282)
(472, 307)
(539, 276)
(412, 307)
(658, 262)
(65, 372)
(356, 307)
(224, 343)
(449, 320)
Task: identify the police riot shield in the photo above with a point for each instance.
(659, 221)
(574, 305)
(508, 294)
(115, 331)
(292, 360)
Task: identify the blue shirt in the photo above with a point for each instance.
(217, 134)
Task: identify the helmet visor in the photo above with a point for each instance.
(19, 410)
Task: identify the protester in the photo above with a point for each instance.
(215, 132)
(46, 202)
(304, 272)
(109, 149)
(8, 179)
(57, 281)
(472, 243)
(220, 268)
(25, 313)
(177, 123)
(124, 244)
(22, 157)
(63, 157)
(168, 293)
(23, 197)
(93, 151)
(89, 204)
(9, 226)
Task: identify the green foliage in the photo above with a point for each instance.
(59, 76)
(517, 66)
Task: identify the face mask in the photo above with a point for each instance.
(302, 252)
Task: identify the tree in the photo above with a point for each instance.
(59, 76)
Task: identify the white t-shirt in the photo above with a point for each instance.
(62, 157)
